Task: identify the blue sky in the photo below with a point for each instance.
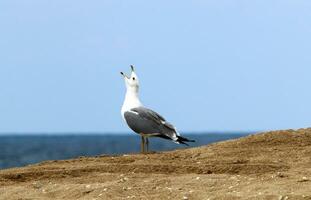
(204, 65)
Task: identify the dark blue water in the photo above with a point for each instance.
(21, 150)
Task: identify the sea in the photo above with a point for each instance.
(17, 150)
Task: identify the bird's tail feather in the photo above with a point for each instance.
(183, 140)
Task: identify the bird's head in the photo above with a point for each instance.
(131, 81)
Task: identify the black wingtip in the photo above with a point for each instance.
(183, 140)
(180, 142)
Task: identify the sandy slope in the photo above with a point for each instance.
(272, 165)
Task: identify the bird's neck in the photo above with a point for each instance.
(131, 100)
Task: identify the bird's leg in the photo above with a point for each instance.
(142, 147)
(147, 144)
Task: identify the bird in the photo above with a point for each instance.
(144, 121)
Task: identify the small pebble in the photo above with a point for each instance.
(283, 197)
(279, 174)
(304, 179)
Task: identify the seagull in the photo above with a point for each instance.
(143, 120)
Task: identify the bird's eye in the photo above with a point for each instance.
(133, 78)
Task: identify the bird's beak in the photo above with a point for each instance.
(124, 75)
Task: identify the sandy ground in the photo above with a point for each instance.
(272, 165)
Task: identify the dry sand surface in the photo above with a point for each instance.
(272, 165)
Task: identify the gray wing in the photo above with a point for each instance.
(146, 121)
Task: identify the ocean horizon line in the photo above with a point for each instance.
(99, 133)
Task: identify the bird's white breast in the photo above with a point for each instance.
(131, 101)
